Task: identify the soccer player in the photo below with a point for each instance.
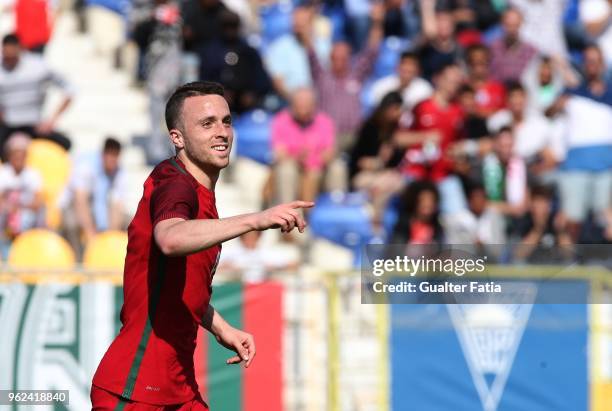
(173, 249)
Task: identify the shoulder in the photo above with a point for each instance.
(167, 174)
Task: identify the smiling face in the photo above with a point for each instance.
(205, 132)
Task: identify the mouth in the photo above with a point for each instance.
(221, 148)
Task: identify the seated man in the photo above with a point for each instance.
(21, 197)
(303, 144)
(94, 198)
(24, 80)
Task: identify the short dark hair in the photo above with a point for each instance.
(11, 39)
(514, 86)
(111, 145)
(409, 55)
(441, 69)
(174, 106)
(475, 48)
(466, 89)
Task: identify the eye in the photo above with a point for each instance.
(207, 124)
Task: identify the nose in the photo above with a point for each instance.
(224, 131)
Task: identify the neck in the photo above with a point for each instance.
(204, 175)
(441, 98)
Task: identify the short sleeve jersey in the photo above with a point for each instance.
(165, 298)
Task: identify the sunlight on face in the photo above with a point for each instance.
(207, 131)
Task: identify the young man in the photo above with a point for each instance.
(173, 249)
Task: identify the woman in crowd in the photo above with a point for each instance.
(373, 159)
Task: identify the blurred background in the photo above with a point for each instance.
(481, 122)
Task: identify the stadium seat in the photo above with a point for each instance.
(367, 98)
(53, 164)
(252, 132)
(276, 20)
(106, 251)
(388, 56)
(121, 7)
(343, 219)
(338, 21)
(40, 248)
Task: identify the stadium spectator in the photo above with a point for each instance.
(596, 17)
(470, 15)
(374, 159)
(338, 87)
(535, 139)
(94, 199)
(24, 81)
(436, 125)
(286, 58)
(157, 31)
(401, 19)
(201, 21)
(418, 222)
(510, 55)
(490, 94)
(303, 141)
(474, 129)
(504, 175)
(254, 260)
(595, 84)
(21, 199)
(413, 88)
(479, 224)
(543, 25)
(585, 180)
(232, 62)
(33, 23)
(544, 80)
(467, 153)
(440, 48)
(543, 235)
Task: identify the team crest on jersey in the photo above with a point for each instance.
(489, 335)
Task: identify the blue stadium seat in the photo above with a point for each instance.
(121, 7)
(276, 20)
(492, 34)
(391, 215)
(367, 99)
(342, 218)
(252, 132)
(338, 21)
(388, 56)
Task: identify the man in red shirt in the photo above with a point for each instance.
(436, 125)
(490, 94)
(173, 249)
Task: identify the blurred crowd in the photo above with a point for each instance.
(470, 121)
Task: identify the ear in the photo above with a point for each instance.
(177, 138)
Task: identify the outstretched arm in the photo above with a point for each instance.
(178, 237)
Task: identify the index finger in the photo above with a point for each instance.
(302, 204)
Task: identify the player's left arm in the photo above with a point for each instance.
(231, 338)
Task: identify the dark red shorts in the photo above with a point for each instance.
(102, 400)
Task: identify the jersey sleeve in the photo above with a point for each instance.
(173, 199)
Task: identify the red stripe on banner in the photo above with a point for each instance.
(200, 364)
(263, 317)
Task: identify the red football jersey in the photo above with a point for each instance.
(165, 298)
(421, 161)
